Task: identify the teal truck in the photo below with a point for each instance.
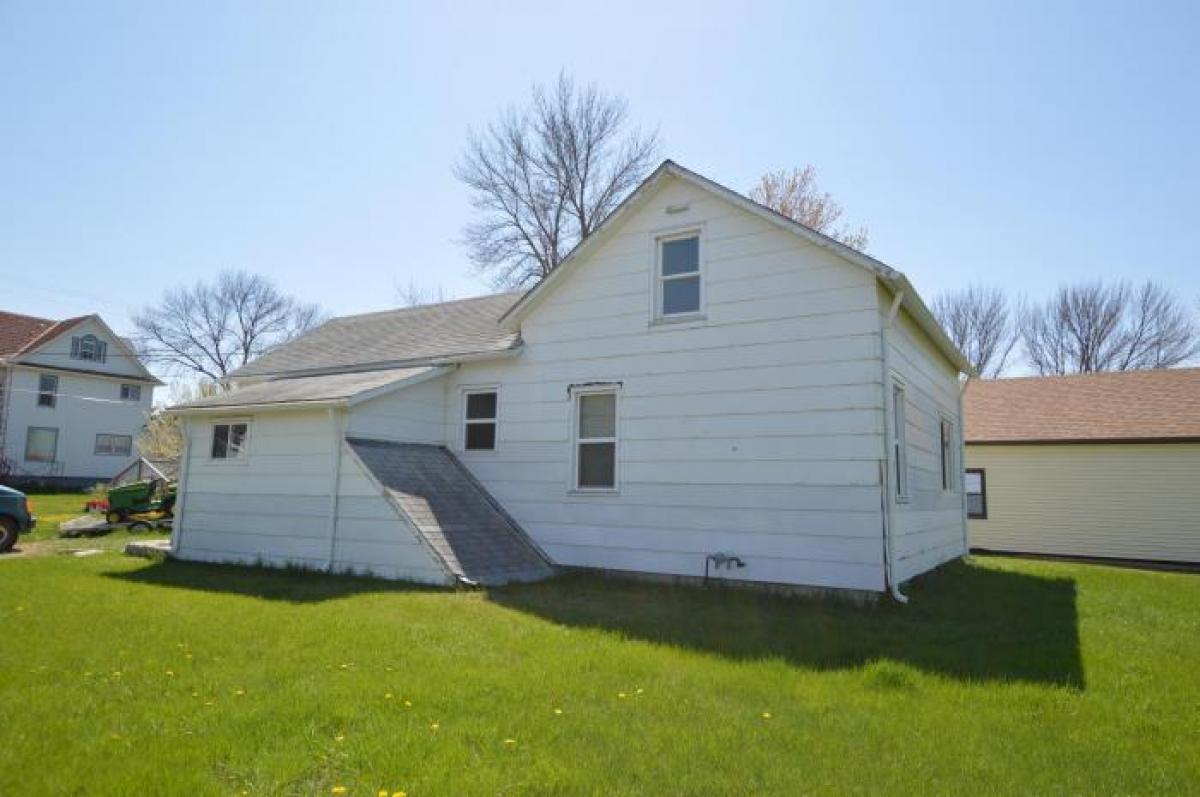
(15, 517)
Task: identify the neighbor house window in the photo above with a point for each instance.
(109, 445)
(678, 275)
(47, 390)
(41, 444)
(229, 440)
(976, 481)
(899, 446)
(946, 440)
(596, 440)
(89, 347)
(131, 392)
(479, 422)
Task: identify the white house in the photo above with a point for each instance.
(702, 386)
(73, 397)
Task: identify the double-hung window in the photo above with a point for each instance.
(120, 445)
(946, 442)
(131, 392)
(41, 444)
(89, 347)
(47, 390)
(595, 440)
(480, 418)
(976, 481)
(678, 288)
(229, 440)
(899, 444)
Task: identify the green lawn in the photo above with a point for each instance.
(1002, 676)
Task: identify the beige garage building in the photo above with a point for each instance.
(1094, 465)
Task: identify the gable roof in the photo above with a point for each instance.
(22, 333)
(894, 279)
(408, 336)
(311, 391)
(1123, 406)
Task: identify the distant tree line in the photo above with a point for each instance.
(1081, 328)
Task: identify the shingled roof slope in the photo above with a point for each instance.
(19, 333)
(409, 335)
(1130, 405)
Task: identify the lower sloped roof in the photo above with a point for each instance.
(1163, 404)
(310, 390)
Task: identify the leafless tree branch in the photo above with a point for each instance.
(795, 194)
(979, 321)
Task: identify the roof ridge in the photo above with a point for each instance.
(431, 305)
(29, 317)
(1088, 375)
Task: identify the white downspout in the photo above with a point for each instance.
(962, 463)
(889, 465)
(335, 424)
(185, 457)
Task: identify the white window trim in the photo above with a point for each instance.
(899, 442)
(657, 239)
(53, 456)
(112, 436)
(468, 390)
(52, 393)
(951, 461)
(614, 390)
(246, 447)
(132, 387)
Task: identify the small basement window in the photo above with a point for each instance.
(899, 442)
(678, 291)
(596, 440)
(946, 439)
(229, 440)
(480, 419)
(113, 445)
(131, 392)
(976, 481)
(47, 390)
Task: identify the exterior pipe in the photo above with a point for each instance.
(962, 463)
(335, 425)
(185, 467)
(889, 549)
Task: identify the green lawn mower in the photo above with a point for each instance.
(140, 498)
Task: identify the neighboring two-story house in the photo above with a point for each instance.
(702, 388)
(73, 398)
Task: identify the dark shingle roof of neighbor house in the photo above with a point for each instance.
(1130, 405)
(307, 389)
(409, 335)
(474, 539)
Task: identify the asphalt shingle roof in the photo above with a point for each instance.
(19, 333)
(453, 512)
(406, 336)
(301, 389)
(1130, 405)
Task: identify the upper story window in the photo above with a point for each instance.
(946, 440)
(131, 392)
(89, 347)
(678, 288)
(899, 441)
(229, 440)
(479, 421)
(595, 435)
(47, 390)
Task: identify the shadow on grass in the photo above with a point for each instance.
(292, 585)
(965, 621)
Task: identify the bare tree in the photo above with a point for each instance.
(414, 295)
(980, 322)
(795, 194)
(210, 329)
(544, 177)
(1107, 327)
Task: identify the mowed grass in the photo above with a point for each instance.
(123, 676)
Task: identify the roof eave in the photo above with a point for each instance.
(245, 409)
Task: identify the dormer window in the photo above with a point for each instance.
(89, 347)
(678, 288)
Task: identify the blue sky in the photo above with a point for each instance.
(150, 144)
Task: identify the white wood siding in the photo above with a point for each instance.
(929, 528)
(85, 406)
(1134, 500)
(756, 431)
(273, 508)
(412, 415)
(57, 353)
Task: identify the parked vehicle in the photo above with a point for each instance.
(16, 517)
(139, 498)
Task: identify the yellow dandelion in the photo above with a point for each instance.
(339, 738)
(338, 790)
(766, 715)
(510, 742)
(117, 674)
(240, 692)
(622, 695)
(383, 793)
(558, 711)
(408, 704)
(208, 703)
(388, 696)
(170, 673)
(434, 726)
(639, 691)
(399, 794)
